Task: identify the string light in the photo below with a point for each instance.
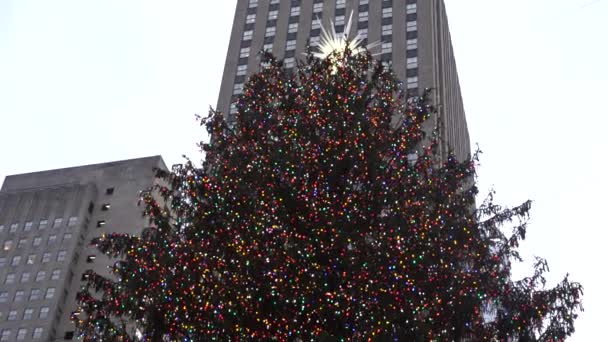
(310, 219)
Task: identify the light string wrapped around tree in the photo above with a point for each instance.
(308, 221)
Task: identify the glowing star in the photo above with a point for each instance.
(332, 43)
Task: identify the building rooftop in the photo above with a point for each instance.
(77, 174)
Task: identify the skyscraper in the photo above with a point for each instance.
(413, 37)
(47, 220)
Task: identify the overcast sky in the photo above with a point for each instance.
(84, 81)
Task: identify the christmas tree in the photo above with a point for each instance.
(324, 212)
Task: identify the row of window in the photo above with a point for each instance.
(31, 259)
(316, 26)
(26, 277)
(339, 25)
(254, 3)
(295, 10)
(339, 3)
(57, 222)
(42, 224)
(28, 314)
(339, 21)
(289, 60)
(22, 334)
(35, 294)
(37, 241)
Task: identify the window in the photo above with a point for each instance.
(250, 19)
(28, 226)
(69, 335)
(57, 222)
(19, 296)
(387, 30)
(316, 24)
(362, 33)
(339, 20)
(290, 45)
(233, 109)
(411, 8)
(109, 191)
(253, 3)
(35, 294)
(14, 227)
(10, 278)
(46, 257)
(273, 15)
(238, 88)
(340, 3)
(295, 11)
(5, 335)
(37, 331)
(21, 334)
(31, 259)
(44, 312)
(72, 221)
(91, 258)
(411, 44)
(292, 28)
(21, 243)
(85, 274)
(105, 207)
(247, 35)
(364, 16)
(28, 313)
(244, 54)
(316, 8)
(412, 62)
(12, 315)
(50, 293)
(37, 241)
(412, 82)
(101, 223)
(52, 239)
(61, 255)
(40, 275)
(1, 228)
(3, 297)
(241, 70)
(56, 274)
(25, 277)
(387, 12)
(43, 224)
(270, 31)
(267, 47)
(411, 26)
(67, 236)
(8, 245)
(387, 47)
(2, 261)
(16, 260)
(289, 62)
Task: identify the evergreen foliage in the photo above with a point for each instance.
(324, 213)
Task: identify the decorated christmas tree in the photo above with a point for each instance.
(323, 212)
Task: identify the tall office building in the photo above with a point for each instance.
(47, 220)
(413, 35)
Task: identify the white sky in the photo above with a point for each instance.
(85, 81)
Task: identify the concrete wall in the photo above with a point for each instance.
(436, 65)
(33, 206)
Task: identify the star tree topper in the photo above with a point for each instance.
(333, 45)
